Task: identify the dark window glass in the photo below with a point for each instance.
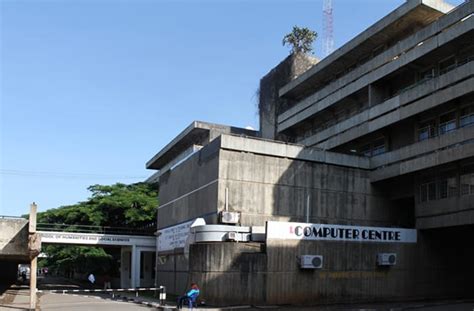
(443, 189)
(378, 147)
(447, 122)
(426, 130)
(467, 117)
(432, 191)
(446, 65)
(467, 184)
(424, 193)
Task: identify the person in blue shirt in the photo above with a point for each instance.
(191, 297)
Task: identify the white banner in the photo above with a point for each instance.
(95, 239)
(324, 232)
(173, 237)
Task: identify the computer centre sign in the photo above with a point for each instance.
(326, 232)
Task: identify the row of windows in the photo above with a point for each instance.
(447, 188)
(446, 123)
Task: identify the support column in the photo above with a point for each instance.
(125, 267)
(135, 267)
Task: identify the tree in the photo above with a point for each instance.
(300, 40)
(119, 205)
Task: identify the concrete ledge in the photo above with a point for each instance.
(415, 93)
(433, 159)
(278, 149)
(316, 103)
(423, 147)
(432, 9)
(453, 219)
(403, 112)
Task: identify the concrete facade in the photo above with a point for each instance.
(378, 134)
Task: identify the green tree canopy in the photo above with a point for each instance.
(300, 39)
(117, 205)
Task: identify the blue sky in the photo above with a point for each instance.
(91, 90)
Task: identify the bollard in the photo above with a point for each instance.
(162, 295)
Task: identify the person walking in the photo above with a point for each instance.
(91, 279)
(190, 297)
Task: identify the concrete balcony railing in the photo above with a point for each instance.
(460, 136)
(454, 211)
(443, 149)
(337, 90)
(374, 118)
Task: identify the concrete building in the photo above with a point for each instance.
(359, 185)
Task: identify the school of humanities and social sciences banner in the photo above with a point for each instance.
(324, 232)
(174, 236)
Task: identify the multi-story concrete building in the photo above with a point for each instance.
(363, 156)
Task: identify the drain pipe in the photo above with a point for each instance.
(307, 208)
(226, 203)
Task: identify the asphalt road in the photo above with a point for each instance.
(17, 296)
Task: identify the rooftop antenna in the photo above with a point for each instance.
(328, 40)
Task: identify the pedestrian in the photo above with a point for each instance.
(190, 297)
(91, 279)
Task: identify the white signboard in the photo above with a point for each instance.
(95, 239)
(173, 237)
(324, 232)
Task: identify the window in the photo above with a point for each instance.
(447, 188)
(447, 122)
(428, 192)
(467, 184)
(431, 191)
(378, 147)
(424, 193)
(467, 116)
(373, 149)
(446, 65)
(426, 130)
(427, 74)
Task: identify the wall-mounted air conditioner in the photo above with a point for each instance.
(386, 259)
(230, 217)
(311, 261)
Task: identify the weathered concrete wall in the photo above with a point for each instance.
(189, 190)
(237, 273)
(230, 273)
(14, 239)
(273, 188)
(270, 104)
(186, 192)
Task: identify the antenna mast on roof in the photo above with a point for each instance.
(328, 40)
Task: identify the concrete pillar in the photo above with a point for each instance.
(135, 267)
(125, 267)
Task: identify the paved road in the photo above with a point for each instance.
(78, 302)
(17, 298)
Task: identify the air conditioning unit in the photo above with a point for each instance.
(230, 217)
(386, 259)
(311, 261)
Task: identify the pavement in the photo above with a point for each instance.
(16, 297)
